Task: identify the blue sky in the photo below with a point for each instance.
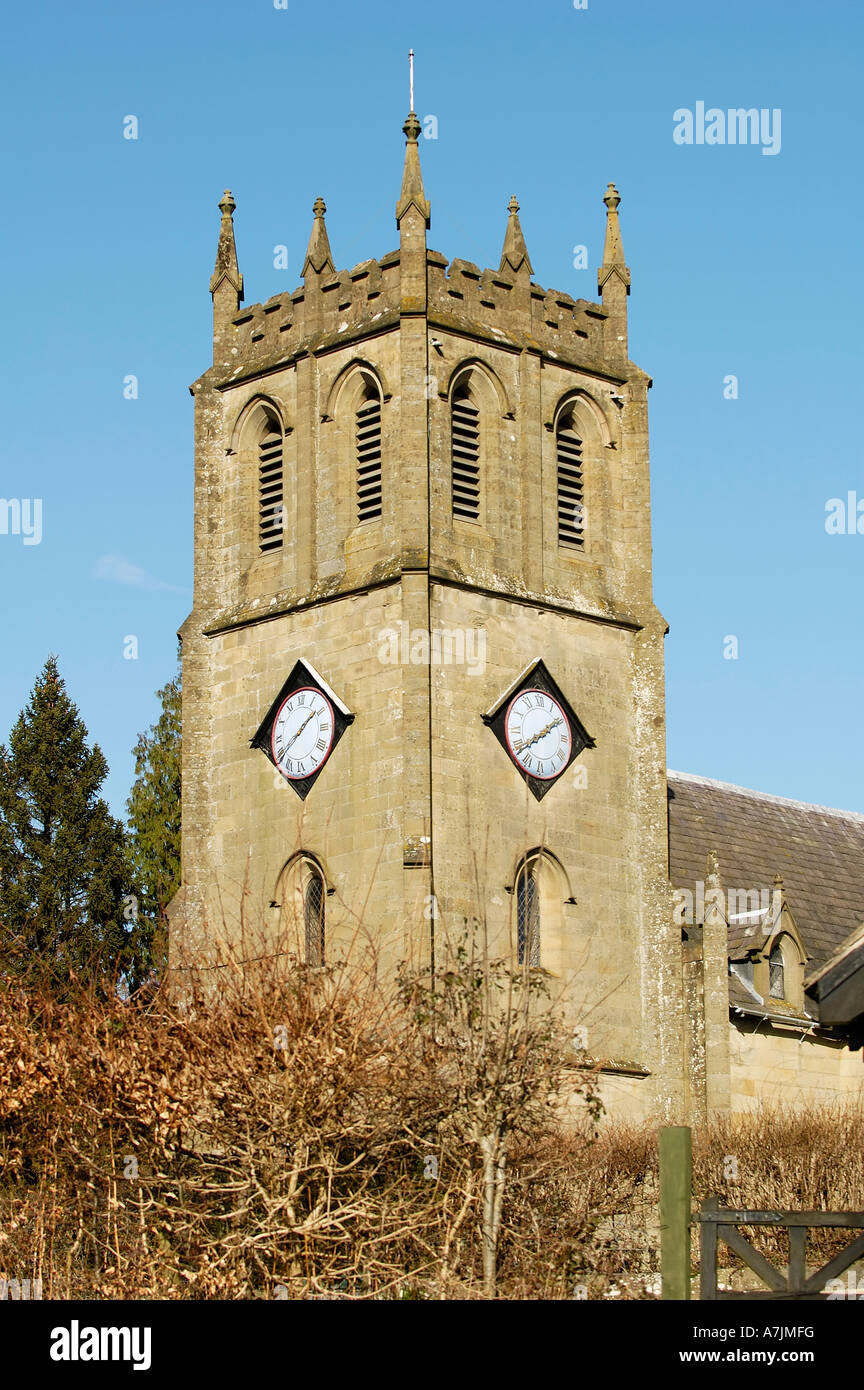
(743, 264)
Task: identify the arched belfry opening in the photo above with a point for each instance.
(367, 439)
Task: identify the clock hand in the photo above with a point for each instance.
(520, 748)
(541, 734)
(299, 731)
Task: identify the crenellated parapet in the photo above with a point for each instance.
(460, 298)
(342, 305)
(504, 307)
(489, 305)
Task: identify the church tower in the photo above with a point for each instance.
(423, 673)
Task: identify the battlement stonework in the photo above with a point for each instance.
(487, 305)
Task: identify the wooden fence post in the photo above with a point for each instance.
(676, 1166)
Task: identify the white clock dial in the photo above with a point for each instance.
(302, 733)
(538, 734)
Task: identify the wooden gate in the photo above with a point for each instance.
(721, 1223)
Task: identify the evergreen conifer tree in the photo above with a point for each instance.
(63, 867)
(153, 811)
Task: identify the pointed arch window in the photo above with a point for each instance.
(777, 972)
(465, 455)
(368, 444)
(271, 495)
(571, 505)
(528, 915)
(314, 899)
(301, 899)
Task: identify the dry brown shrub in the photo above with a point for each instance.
(274, 1141)
(275, 1138)
(787, 1158)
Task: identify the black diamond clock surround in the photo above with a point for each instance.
(302, 728)
(538, 728)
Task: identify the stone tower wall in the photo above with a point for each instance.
(418, 798)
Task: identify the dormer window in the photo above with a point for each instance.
(777, 973)
(779, 970)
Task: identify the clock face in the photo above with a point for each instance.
(302, 728)
(538, 728)
(538, 734)
(302, 733)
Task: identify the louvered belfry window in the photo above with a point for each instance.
(369, 459)
(270, 494)
(571, 513)
(313, 914)
(465, 432)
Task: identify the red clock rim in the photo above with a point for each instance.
(301, 777)
(535, 690)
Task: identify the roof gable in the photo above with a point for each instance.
(818, 851)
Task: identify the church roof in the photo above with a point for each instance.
(818, 851)
(838, 987)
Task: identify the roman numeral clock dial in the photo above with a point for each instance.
(302, 728)
(538, 734)
(538, 728)
(302, 733)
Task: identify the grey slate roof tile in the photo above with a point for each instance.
(818, 851)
